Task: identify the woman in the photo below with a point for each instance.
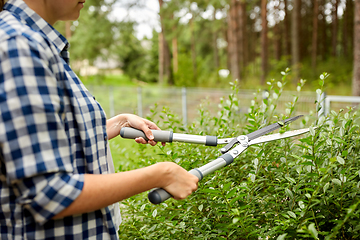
(56, 173)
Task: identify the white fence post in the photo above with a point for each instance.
(184, 106)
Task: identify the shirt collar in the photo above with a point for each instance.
(36, 23)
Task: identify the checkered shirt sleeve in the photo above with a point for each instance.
(35, 146)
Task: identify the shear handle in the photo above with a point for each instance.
(169, 136)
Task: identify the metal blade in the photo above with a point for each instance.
(277, 136)
(260, 132)
(271, 128)
(224, 140)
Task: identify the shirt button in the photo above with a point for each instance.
(105, 138)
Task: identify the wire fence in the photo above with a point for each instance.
(185, 102)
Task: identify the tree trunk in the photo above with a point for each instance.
(174, 45)
(165, 75)
(175, 52)
(351, 24)
(244, 41)
(175, 55)
(167, 63)
(324, 48)
(314, 36)
(348, 28)
(215, 46)
(193, 48)
(356, 70)
(161, 58)
(233, 50)
(264, 41)
(277, 41)
(287, 31)
(334, 27)
(277, 34)
(300, 30)
(240, 33)
(295, 41)
(345, 30)
(226, 34)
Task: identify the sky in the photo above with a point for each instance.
(146, 17)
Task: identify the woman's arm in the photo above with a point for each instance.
(102, 190)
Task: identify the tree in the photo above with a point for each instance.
(315, 35)
(334, 27)
(356, 71)
(175, 51)
(287, 30)
(130, 53)
(233, 36)
(199, 37)
(165, 74)
(348, 28)
(215, 38)
(92, 34)
(323, 31)
(295, 25)
(264, 40)
(193, 45)
(277, 33)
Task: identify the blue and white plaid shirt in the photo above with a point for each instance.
(52, 132)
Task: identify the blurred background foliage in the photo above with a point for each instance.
(206, 43)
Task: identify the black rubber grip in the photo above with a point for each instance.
(211, 141)
(228, 158)
(158, 195)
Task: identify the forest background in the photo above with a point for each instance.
(206, 43)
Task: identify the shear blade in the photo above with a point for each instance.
(260, 132)
(271, 128)
(278, 136)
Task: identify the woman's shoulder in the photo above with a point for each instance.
(13, 27)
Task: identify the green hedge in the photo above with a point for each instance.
(298, 188)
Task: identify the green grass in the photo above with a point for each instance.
(338, 84)
(109, 80)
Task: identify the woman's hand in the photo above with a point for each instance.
(114, 125)
(175, 180)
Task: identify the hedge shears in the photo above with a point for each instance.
(233, 148)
